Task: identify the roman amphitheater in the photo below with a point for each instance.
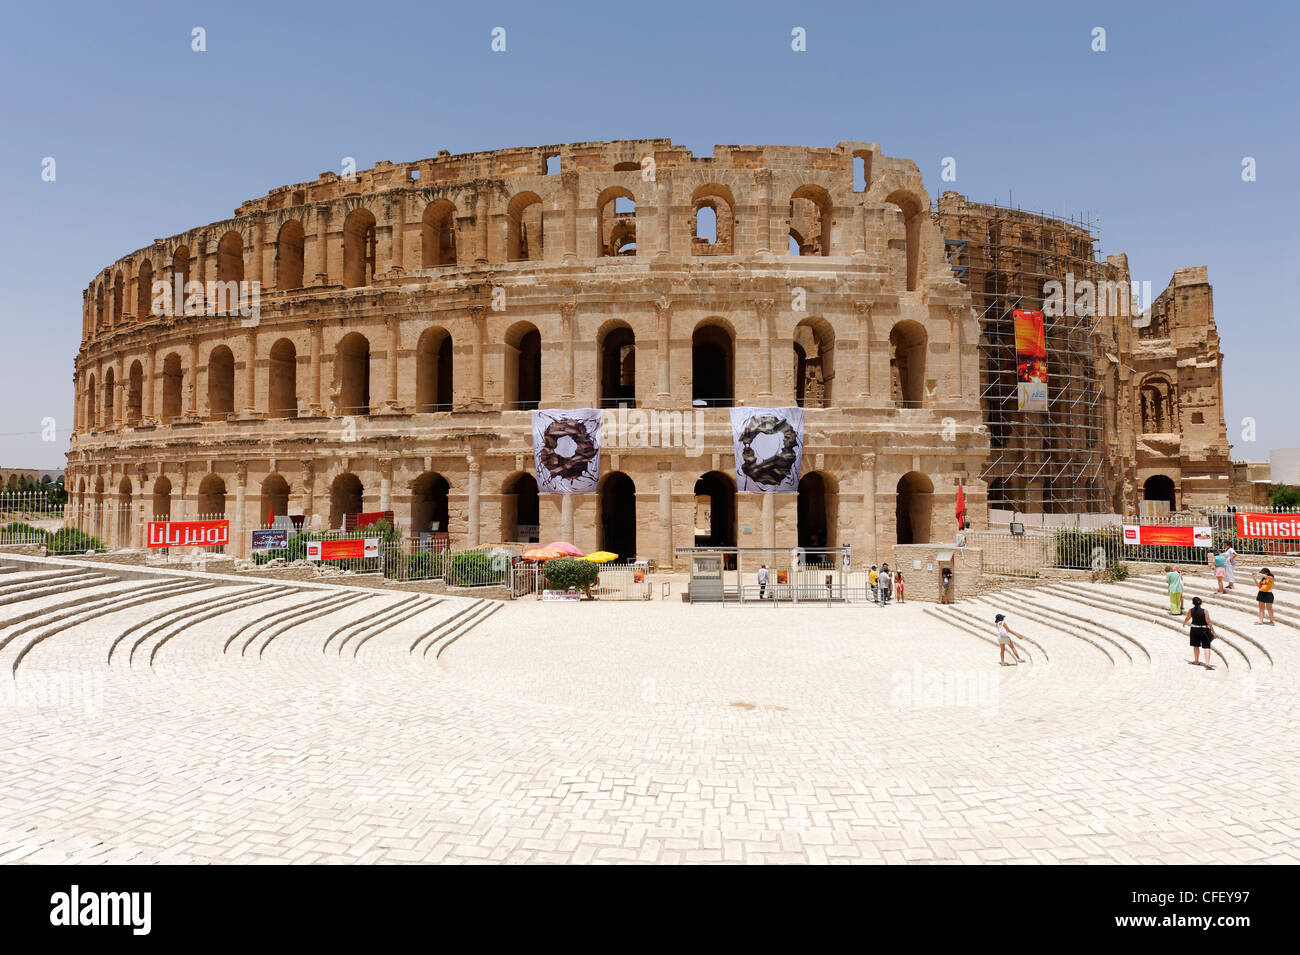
(412, 315)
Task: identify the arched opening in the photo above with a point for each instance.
(814, 363)
(283, 396)
(810, 221)
(135, 394)
(345, 499)
(715, 510)
(616, 217)
(118, 287)
(173, 377)
(912, 210)
(714, 220)
(712, 367)
(99, 507)
(438, 234)
(289, 255)
(92, 404)
(230, 258)
(358, 249)
(816, 511)
(523, 371)
(524, 227)
(1157, 406)
(124, 515)
(915, 504)
(617, 367)
(144, 291)
(430, 511)
(101, 321)
(907, 364)
(275, 500)
(520, 514)
(181, 268)
(618, 515)
(433, 370)
(352, 375)
(162, 499)
(1160, 487)
(109, 388)
(212, 498)
(221, 382)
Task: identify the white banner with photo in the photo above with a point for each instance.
(566, 448)
(769, 448)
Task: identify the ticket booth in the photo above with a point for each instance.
(706, 578)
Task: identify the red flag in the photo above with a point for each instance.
(270, 515)
(961, 506)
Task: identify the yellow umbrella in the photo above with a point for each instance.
(600, 557)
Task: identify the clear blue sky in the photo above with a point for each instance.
(151, 138)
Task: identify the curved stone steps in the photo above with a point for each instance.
(72, 604)
(258, 624)
(63, 616)
(446, 624)
(982, 624)
(1090, 598)
(275, 592)
(471, 614)
(463, 630)
(1108, 647)
(394, 620)
(27, 578)
(64, 584)
(171, 623)
(288, 625)
(1234, 599)
(162, 615)
(352, 628)
(965, 625)
(1029, 601)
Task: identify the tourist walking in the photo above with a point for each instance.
(945, 585)
(1220, 568)
(1229, 566)
(762, 580)
(886, 584)
(898, 580)
(1264, 580)
(1005, 634)
(873, 579)
(1175, 590)
(1202, 633)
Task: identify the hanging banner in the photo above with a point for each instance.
(566, 447)
(1168, 536)
(1276, 527)
(275, 539)
(188, 533)
(350, 549)
(769, 448)
(1031, 361)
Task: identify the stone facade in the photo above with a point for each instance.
(410, 317)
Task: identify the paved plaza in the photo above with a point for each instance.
(202, 719)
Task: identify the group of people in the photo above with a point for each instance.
(884, 582)
(1202, 628)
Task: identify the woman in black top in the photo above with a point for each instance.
(1201, 634)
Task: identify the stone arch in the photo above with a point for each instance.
(173, 378)
(913, 210)
(430, 504)
(124, 514)
(713, 364)
(275, 499)
(914, 506)
(907, 353)
(715, 510)
(718, 201)
(162, 499)
(346, 496)
(359, 249)
(520, 511)
(616, 221)
(1161, 487)
(100, 321)
(212, 498)
(618, 515)
(119, 287)
(290, 254)
(524, 227)
(523, 366)
(433, 370)
(810, 219)
(352, 374)
(1157, 406)
(144, 291)
(135, 394)
(181, 267)
(110, 386)
(438, 234)
(814, 363)
(817, 508)
(282, 397)
(230, 257)
(616, 347)
(221, 382)
(92, 403)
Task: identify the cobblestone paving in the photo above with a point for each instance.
(645, 732)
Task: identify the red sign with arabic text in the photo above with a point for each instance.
(188, 533)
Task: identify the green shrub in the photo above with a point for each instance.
(469, 569)
(20, 533)
(69, 540)
(565, 573)
(423, 565)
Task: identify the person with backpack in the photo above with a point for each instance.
(1220, 569)
(1202, 633)
(1005, 634)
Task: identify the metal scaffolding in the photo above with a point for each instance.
(1051, 461)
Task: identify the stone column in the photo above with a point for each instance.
(146, 411)
(482, 203)
(868, 531)
(475, 482)
(398, 213)
(386, 485)
(322, 245)
(254, 271)
(192, 408)
(119, 399)
(764, 309)
(250, 375)
(478, 314)
(864, 344)
(394, 335)
(664, 314)
(769, 520)
(665, 201)
(667, 553)
(764, 180)
(308, 492)
(569, 182)
(954, 349)
(568, 311)
(317, 333)
(238, 538)
(201, 257)
(566, 516)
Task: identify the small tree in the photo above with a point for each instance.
(1285, 496)
(564, 573)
